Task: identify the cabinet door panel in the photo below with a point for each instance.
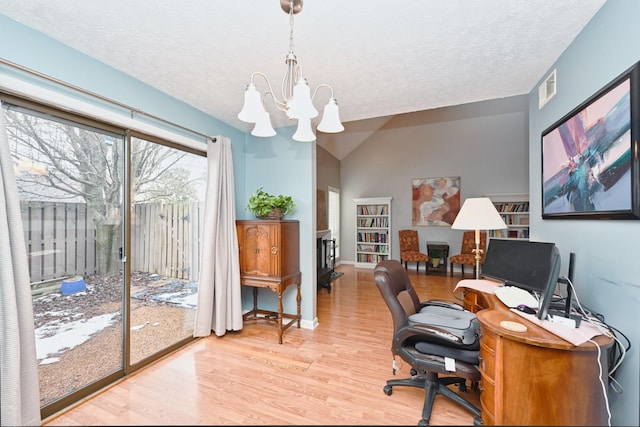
(257, 252)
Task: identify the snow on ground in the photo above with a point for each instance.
(57, 337)
(70, 328)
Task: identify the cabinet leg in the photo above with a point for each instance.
(255, 299)
(280, 309)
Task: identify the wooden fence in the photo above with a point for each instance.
(165, 239)
(61, 239)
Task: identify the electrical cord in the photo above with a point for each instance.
(598, 323)
(615, 359)
(604, 389)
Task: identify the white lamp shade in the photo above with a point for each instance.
(300, 106)
(263, 126)
(252, 108)
(478, 214)
(330, 122)
(304, 133)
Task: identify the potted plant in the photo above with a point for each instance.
(435, 255)
(267, 206)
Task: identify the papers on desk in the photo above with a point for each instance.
(575, 336)
(482, 285)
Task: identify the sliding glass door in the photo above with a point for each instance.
(69, 178)
(112, 224)
(167, 206)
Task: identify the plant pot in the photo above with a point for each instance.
(275, 213)
(435, 262)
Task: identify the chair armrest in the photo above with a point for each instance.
(427, 333)
(441, 303)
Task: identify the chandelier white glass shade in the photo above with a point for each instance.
(295, 101)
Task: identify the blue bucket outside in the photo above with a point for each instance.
(73, 285)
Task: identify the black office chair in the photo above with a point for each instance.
(425, 346)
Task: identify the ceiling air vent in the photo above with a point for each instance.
(547, 90)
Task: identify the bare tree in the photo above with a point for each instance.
(61, 160)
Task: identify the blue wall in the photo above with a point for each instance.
(283, 166)
(607, 270)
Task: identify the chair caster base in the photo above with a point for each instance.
(388, 390)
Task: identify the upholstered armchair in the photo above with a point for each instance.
(410, 249)
(466, 255)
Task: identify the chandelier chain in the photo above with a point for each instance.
(291, 27)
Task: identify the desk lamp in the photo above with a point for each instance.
(478, 214)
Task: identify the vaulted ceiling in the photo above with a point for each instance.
(381, 57)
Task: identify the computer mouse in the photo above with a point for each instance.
(525, 309)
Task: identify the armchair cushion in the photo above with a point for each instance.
(467, 259)
(414, 256)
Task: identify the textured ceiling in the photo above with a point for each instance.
(381, 57)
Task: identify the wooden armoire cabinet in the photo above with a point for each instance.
(270, 258)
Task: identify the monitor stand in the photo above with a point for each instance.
(565, 311)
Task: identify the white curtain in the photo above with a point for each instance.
(219, 296)
(20, 394)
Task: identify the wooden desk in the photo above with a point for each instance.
(535, 377)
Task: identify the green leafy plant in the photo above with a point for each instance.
(436, 253)
(262, 204)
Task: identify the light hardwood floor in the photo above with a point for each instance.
(333, 375)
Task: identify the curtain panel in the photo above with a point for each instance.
(20, 392)
(219, 290)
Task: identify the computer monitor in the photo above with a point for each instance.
(534, 266)
(522, 263)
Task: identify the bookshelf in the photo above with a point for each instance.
(373, 231)
(514, 209)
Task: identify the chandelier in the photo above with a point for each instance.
(295, 100)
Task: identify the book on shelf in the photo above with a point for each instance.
(512, 207)
(373, 210)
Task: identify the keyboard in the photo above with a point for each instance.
(512, 296)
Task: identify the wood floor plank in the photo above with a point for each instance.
(333, 375)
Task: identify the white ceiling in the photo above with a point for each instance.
(381, 57)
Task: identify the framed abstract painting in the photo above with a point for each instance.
(435, 201)
(590, 160)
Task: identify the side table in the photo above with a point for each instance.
(438, 254)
